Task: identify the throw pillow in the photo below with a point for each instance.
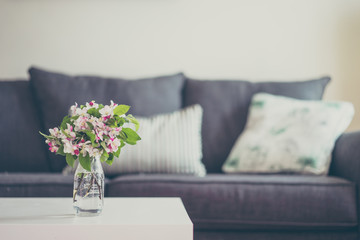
(56, 92)
(226, 105)
(170, 143)
(288, 135)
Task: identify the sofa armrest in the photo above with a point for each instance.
(346, 157)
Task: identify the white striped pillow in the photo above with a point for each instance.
(170, 143)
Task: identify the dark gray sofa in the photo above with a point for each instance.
(221, 206)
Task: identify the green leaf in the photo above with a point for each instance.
(44, 135)
(134, 121)
(70, 159)
(91, 126)
(65, 120)
(74, 117)
(47, 136)
(117, 153)
(104, 156)
(122, 136)
(103, 145)
(121, 109)
(79, 135)
(60, 151)
(131, 136)
(121, 121)
(111, 122)
(131, 142)
(94, 112)
(63, 131)
(91, 135)
(85, 162)
(122, 143)
(110, 160)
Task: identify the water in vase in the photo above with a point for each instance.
(88, 196)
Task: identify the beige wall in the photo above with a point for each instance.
(238, 39)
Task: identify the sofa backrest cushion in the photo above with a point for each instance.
(226, 104)
(56, 92)
(22, 149)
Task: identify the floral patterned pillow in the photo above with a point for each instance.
(288, 135)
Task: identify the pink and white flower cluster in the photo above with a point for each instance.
(90, 130)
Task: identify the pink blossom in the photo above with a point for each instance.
(107, 117)
(107, 111)
(69, 131)
(73, 109)
(92, 104)
(53, 149)
(81, 123)
(69, 146)
(112, 104)
(52, 146)
(73, 138)
(54, 132)
(113, 144)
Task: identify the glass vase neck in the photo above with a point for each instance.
(95, 165)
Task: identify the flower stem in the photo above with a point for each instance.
(98, 185)
(90, 186)
(78, 187)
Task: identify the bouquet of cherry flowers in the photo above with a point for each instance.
(93, 131)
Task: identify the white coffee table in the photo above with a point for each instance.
(122, 218)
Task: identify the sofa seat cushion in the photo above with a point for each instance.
(36, 185)
(250, 202)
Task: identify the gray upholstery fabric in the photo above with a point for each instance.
(56, 92)
(346, 160)
(22, 149)
(226, 104)
(274, 235)
(251, 201)
(35, 185)
(225, 207)
(346, 157)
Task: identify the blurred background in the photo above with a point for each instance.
(256, 40)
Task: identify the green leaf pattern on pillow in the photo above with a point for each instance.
(288, 135)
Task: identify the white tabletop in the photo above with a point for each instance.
(122, 218)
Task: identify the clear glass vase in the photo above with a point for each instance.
(88, 195)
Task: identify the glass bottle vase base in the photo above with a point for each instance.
(88, 195)
(87, 212)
